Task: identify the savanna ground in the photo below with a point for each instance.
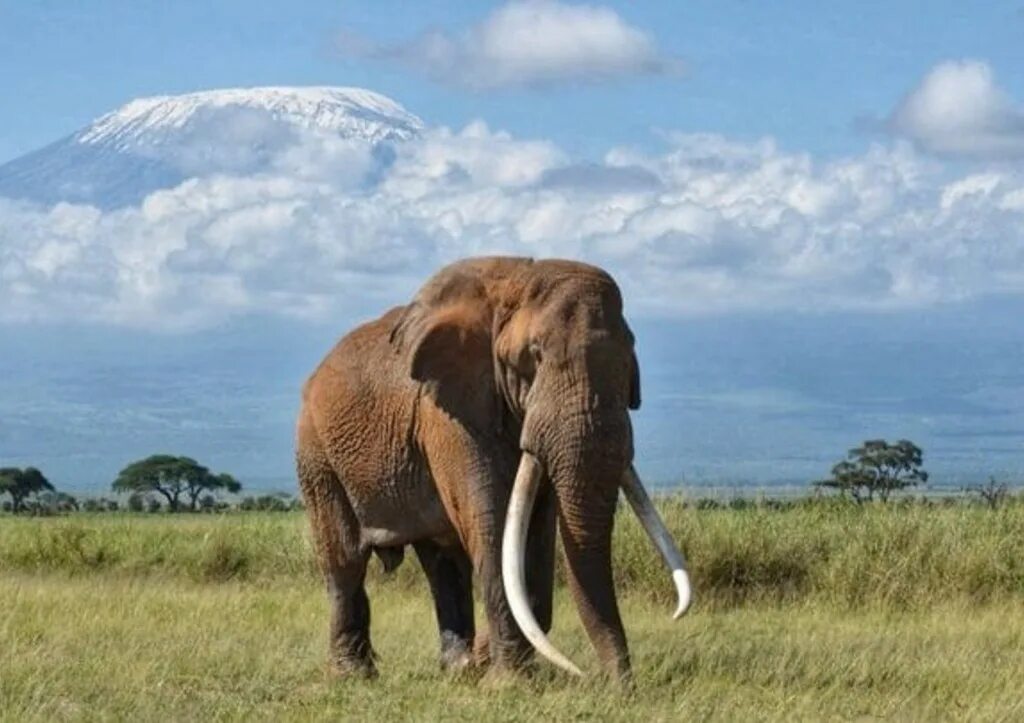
(815, 612)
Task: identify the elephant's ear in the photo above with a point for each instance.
(448, 350)
(453, 346)
(634, 384)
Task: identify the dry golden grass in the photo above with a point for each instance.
(95, 648)
(817, 612)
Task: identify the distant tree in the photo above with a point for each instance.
(20, 484)
(173, 478)
(992, 493)
(877, 468)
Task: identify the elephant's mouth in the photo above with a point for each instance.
(513, 550)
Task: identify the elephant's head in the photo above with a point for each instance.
(547, 344)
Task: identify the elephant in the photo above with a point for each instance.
(470, 424)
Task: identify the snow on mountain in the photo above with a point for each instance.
(158, 142)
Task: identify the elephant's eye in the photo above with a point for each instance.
(535, 352)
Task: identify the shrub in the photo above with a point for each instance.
(993, 494)
(266, 503)
(136, 502)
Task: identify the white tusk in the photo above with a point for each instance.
(513, 559)
(659, 534)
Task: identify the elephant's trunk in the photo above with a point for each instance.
(584, 455)
(585, 520)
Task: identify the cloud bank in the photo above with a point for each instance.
(958, 110)
(706, 225)
(528, 43)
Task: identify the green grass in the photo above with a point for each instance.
(815, 612)
(898, 557)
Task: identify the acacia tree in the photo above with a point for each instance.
(173, 478)
(877, 468)
(994, 493)
(22, 483)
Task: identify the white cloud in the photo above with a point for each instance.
(707, 225)
(532, 43)
(958, 110)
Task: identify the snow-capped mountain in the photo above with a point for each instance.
(158, 142)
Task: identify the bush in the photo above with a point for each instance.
(994, 494)
(136, 502)
(266, 503)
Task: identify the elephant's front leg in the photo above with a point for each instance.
(540, 576)
(476, 497)
(473, 473)
(450, 574)
(506, 647)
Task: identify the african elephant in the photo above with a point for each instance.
(465, 424)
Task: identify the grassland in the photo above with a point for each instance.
(815, 612)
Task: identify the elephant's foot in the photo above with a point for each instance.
(501, 677)
(456, 655)
(352, 669)
(502, 664)
(352, 658)
(515, 655)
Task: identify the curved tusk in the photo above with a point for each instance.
(513, 559)
(660, 536)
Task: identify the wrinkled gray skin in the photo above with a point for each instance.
(411, 430)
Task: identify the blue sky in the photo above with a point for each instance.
(802, 72)
(815, 210)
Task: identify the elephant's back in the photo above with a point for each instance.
(365, 354)
(359, 400)
(363, 405)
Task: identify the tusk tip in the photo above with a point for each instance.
(684, 591)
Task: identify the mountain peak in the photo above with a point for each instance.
(349, 111)
(158, 142)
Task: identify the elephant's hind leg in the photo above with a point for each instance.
(450, 574)
(342, 559)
